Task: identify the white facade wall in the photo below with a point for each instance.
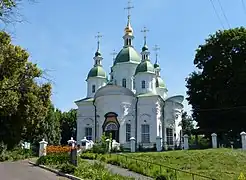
(98, 82)
(147, 114)
(123, 106)
(124, 70)
(85, 118)
(150, 82)
(162, 92)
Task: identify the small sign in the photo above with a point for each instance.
(241, 176)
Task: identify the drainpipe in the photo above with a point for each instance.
(136, 121)
(95, 119)
(163, 127)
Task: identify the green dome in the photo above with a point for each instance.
(160, 83)
(145, 48)
(97, 54)
(156, 65)
(97, 71)
(127, 54)
(145, 66)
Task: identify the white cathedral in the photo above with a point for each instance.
(133, 103)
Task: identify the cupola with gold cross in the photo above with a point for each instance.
(128, 53)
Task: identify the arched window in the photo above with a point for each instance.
(156, 83)
(93, 88)
(143, 84)
(124, 82)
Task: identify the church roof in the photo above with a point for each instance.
(160, 83)
(127, 54)
(145, 66)
(97, 71)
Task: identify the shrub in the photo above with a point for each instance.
(88, 155)
(67, 168)
(54, 159)
(14, 154)
(96, 171)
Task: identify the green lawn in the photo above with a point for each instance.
(224, 164)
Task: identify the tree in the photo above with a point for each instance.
(24, 102)
(49, 127)
(186, 123)
(68, 125)
(217, 91)
(9, 10)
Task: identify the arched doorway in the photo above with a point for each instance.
(111, 126)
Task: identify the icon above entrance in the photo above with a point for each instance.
(111, 126)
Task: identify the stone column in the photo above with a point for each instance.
(73, 153)
(133, 144)
(42, 148)
(243, 138)
(158, 144)
(71, 142)
(214, 140)
(186, 142)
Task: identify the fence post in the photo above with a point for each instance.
(42, 148)
(133, 144)
(243, 139)
(214, 140)
(186, 143)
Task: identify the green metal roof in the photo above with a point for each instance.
(160, 83)
(156, 65)
(147, 94)
(145, 48)
(145, 66)
(85, 100)
(97, 71)
(127, 54)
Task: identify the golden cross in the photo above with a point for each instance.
(144, 31)
(113, 54)
(156, 49)
(98, 36)
(129, 7)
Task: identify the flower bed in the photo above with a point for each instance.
(57, 149)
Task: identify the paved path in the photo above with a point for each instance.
(22, 170)
(121, 171)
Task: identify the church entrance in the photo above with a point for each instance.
(111, 126)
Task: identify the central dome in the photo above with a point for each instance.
(127, 54)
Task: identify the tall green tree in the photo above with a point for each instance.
(49, 127)
(68, 125)
(9, 10)
(187, 123)
(217, 91)
(24, 102)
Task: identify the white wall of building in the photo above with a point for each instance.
(85, 118)
(150, 85)
(98, 82)
(124, 70)
(123, 106)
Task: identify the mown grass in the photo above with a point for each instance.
(224, 164)
(221, 164)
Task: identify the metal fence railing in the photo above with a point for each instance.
(153, 169)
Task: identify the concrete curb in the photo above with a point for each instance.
(69, 176)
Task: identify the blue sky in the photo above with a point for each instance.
(60, 37)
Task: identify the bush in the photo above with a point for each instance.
(53, 159)
(15, 154)
(96, 171)
(67, 168)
